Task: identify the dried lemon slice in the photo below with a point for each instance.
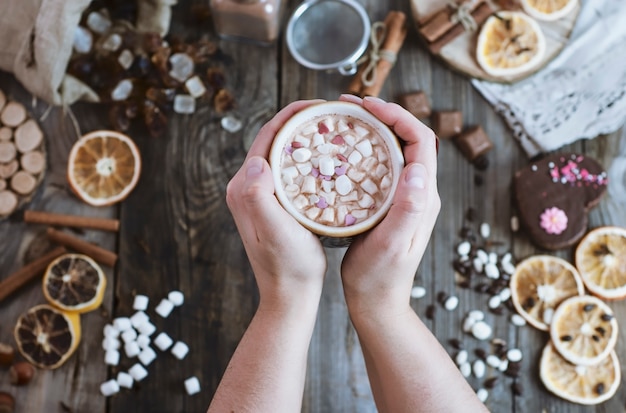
(539, 284)
(74, 282)
(584, 330)
(103, 167)
(46, 336)
(601, 261)
(579, 384)
(510, 43)
(548, 10)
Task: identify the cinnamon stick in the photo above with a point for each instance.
(441, 22)
(28, 272)
(396, 33)
(51, 218)
(480, 15)
(99, 254)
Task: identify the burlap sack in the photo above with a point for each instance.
(36, 38)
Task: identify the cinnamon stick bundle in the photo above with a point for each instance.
(396, 33)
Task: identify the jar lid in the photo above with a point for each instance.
(328, 34)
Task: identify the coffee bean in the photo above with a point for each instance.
(430, 311)
(470, 214)
(481, 163)
(465, 283)
(491, 382)
(456, 343)
(478, 180)
(517, 389)
(481, 288)
(480, 353)
(460, 268)
(442, 296)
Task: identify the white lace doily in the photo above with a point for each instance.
(580, 94)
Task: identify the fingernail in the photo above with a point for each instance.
(373, 99)
(416, 176)
(351, 98)
(254, 167)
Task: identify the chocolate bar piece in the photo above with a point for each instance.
(447, 124)
(416, 103)
(473, 143)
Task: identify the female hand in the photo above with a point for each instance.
(379, 267)
(288, 260)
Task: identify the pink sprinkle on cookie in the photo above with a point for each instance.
(554, 220)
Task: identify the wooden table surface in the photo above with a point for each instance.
(176, 233)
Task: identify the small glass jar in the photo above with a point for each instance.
(254, 20)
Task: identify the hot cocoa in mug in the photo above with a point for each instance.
(336, 167)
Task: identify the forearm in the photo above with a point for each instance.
(268, 369)
(409, 370)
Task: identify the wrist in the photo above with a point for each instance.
(380, 314)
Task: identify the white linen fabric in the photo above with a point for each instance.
(580, 94)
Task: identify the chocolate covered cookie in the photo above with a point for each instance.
(554, 196)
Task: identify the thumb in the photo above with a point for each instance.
(411, 198)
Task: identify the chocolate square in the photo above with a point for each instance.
(473, 142)
(416, 103)
(447, 124)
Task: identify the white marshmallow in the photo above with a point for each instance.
(112, 357)
(365, 147)
(139, 318)
(147, 356)
(110, 343)
(125, 380)
(146, 328)
(192, 385)
(132, 349)
(109, 388)
(355, 157)
(122, 323)
(343, 185)
(143, 340)
(180, 350)
(129, 335)
(138, 372)
(110, 331)
(326, 166)
(163, 341)
(176, 297)
(164, 308)
(301, 154)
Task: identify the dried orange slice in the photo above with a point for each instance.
(103, 167)
(46, 336)
(548, 10)
(579, 384)
(510, 43)
(74, 282)
(584, 330)
(539, 284)
(601, 261)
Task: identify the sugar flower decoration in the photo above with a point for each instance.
(554, 220)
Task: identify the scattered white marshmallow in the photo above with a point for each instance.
(518, 320)
(141, 302)
(481, 330)
(132, 349)
(494, 361)
(180, 350)
(485, 230)
(109, 388)
(461, 357)
(138, 372)
(125, 380)
(418, 291)
(192, 385)
(112, 357)
(122, 324)
(147, 356)
(482, 394)
(514, 355)
(110, 343)
(147, 328)
(176, 297)
(479, 368)
(163, 341)
(466, 369)
(143, 341)
(164, 308)
(111, 331)
(139, 318)
(129, 335)
(451, 303)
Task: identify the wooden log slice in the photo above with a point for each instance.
(13, 114)
(8, 202)
(28, 136)
(23, 183)
(33, 162)
(7, 152)
(6, 134)
(460, 53)
(7, 170)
